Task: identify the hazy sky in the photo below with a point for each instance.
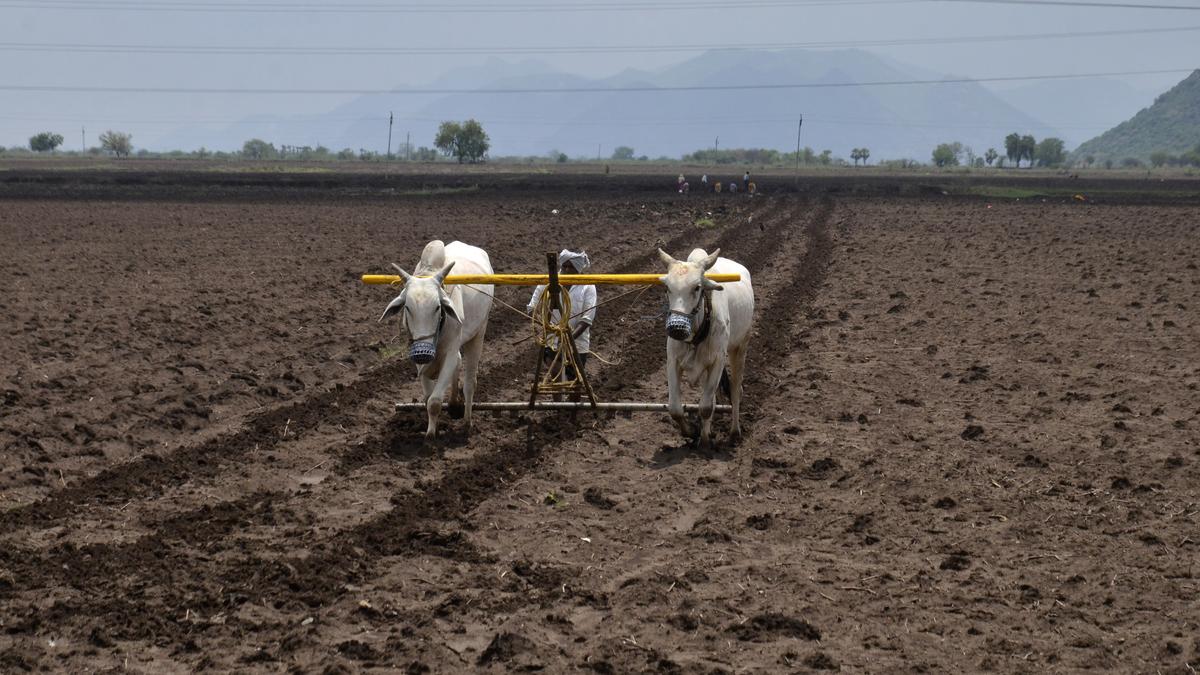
(702, 22)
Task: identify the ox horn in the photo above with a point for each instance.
(666, 257)
(711, 259)
(405, 275)
(440, 277)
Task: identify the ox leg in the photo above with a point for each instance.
(737, 371)
(708, 400)
(471, 353)
(675, 400)
(427, 381)
(433, 405)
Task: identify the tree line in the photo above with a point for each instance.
(1049, 152)
(467, 142)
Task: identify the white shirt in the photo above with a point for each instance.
(583, 311)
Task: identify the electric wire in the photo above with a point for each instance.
(251, 6)
(75, 47)
(51, 88)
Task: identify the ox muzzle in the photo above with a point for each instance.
(422, 353)
(679, 326)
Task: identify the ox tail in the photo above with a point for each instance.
(726, 384)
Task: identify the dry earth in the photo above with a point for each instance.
(972, 439)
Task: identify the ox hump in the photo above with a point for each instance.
(433, 258)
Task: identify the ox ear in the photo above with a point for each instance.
(394, 306)
(403, 275)
(440, 277)
(711, 260)
(666, 258)
(710, 285)
(446, 302)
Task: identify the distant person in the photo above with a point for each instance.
(704, 182)
(746, 181)
(733, 187)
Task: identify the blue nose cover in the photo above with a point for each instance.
(679, 327)
(422, 352)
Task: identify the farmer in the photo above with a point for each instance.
(746, 181)
(704, 182)
(583, 308)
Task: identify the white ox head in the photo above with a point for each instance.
(425, 305)
(686, 284)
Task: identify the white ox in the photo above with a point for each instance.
(708, 327)
(445, 327)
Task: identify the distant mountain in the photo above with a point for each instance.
(1171, 124)
(892, 121)
(1078, 108)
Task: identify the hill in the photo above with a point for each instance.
(1171, 124)
(1078, 108)
(893, 121)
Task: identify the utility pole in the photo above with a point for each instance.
(598, 146)
(407, 147)
(798, 128)
(390, 117)
(83, 138)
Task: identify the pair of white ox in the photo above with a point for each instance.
(707, 330)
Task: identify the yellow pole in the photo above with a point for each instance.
(537, 279)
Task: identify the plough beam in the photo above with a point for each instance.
(572, 405)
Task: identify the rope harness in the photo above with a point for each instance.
(680, 324)
(421, 349)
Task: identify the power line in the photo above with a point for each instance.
(572, 90)
(75, 47)
(250, 6)
(1078, 3)
(541, 122)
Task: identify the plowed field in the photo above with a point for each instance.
(973, 438)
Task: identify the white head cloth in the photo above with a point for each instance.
(579, 260)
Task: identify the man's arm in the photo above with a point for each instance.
(589, 313)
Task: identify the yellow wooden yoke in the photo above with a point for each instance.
(539, 279)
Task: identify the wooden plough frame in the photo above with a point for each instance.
(549, 381)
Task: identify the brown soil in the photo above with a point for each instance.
(972, 437)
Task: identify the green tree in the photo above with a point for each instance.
(117, 143)
(256, 148)
(854, 155)
(466, 141)
(825, 158)
(1191, 156)
(1029, 148)
(623, 152)
(864, 154)
(946, 154)
(1013, 148)
(45, 141)
(1159, 158)
(990, 156)
(1050, 152)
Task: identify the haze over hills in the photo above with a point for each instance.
(893, 121)
(1078, 109)
(1171, 124)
